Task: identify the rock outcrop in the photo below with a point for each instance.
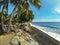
(23, 38)
(24, 26)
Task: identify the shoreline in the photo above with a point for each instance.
(43, 38)
(36, 34)
(53, 35)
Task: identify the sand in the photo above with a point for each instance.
(5, 39)
(39, 36)
(42, 38)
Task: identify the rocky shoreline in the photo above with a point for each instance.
(34, 37)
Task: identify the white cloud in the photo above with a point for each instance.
(57, 9)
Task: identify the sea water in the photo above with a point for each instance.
(51, 28)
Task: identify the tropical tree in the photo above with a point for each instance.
(5, 17)
(4, 7)
(23, 5)
(36, 3)
(22, 18)
(16, 3)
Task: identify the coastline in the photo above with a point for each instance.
(54, 35)
(41, 37)
(36, 34)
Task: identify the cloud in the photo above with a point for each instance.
(57, 9)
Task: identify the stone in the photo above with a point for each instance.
(23, 38)
(19, 33)
(15, 41)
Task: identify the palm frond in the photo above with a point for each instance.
(36, 3)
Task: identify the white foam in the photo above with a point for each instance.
(54, 35)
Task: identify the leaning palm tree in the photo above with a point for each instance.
(16, 3)
(4, 5)
(22, 18)
(24, 4)
(35, 3)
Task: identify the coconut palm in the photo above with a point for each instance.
(21, 17)
(26, 7)
(36, 3)
(16, 3)
(22, 5)
(25, 4)
(4, 5)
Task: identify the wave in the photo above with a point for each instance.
(51, 29)
(50, 26)
(54, 35)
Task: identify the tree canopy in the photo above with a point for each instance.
(20, 13)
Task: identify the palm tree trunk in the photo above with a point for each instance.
(12, 14)
(2, 24)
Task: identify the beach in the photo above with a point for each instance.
(43, 38)
(29, 22)
(39, 36)
(48, 31)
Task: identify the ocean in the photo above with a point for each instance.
(51, 28)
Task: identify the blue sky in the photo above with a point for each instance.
(49, 11)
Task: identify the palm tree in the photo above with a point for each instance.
(25, 4)
(36, 3)
(16, 3)
(23, 18)
(4, 5)
(22, 5)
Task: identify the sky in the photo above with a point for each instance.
(49, 11)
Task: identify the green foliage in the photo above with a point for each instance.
(26, 18)
(4, 3)
(36, 3)
(0, 17)
(22, 9)
(4, 16)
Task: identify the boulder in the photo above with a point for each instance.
(25, 27)
(15, 41)
(23, 38)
